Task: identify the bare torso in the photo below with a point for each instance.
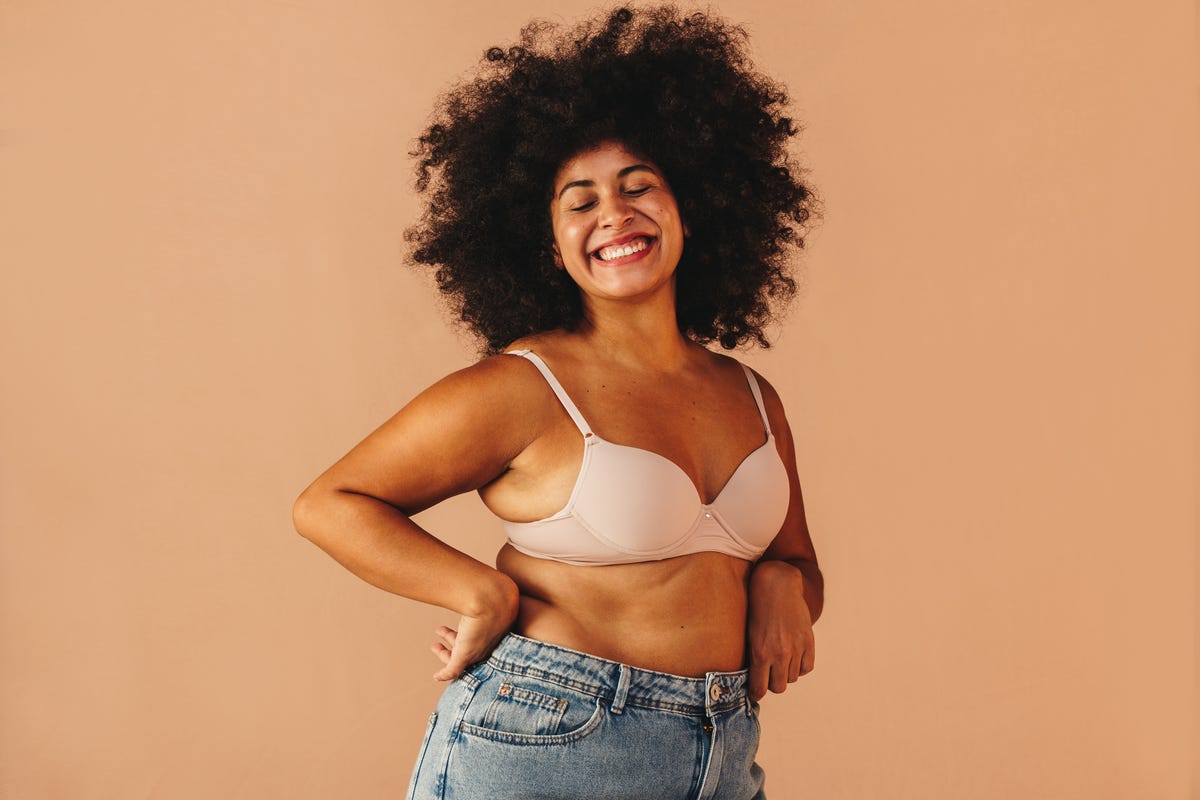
(684, 615)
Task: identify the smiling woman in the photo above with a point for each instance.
(658, 576)
(676, 88)
(616, 225)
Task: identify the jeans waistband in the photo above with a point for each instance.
(620, 684)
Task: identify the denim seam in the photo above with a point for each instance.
(605, 693)
(472, 683)
(682, 708)
(518, 694)
(429, 726)
(528, 739)
(595, 690)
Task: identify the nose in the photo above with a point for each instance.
(615, 212)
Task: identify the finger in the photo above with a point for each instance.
(794, 667)
(447, 635)
(454, 666)
(462, 655)
(808, 661)
(441, 651)
(759, 673)
(779, 680)
(446, 673)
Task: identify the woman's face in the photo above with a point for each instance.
(616, 224)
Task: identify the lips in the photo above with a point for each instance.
(624, 248)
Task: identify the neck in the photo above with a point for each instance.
(643, 334)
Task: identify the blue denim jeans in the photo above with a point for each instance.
(537, 720)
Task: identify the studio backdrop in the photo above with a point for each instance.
(990, 371)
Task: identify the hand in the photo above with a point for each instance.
(778, 628)
(476, 637)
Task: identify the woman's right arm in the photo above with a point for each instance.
(456, 436)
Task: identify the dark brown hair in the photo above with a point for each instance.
(678, 89)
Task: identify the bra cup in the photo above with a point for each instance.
(638, 501)
(755, 501)
(630, 505)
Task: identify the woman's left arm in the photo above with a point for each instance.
(787, 590)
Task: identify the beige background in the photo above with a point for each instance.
(991, 374)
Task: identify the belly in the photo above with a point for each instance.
(684, 616)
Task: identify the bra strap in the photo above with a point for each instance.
(762, 409)
(559, 391)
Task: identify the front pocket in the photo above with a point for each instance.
(591, 725)
(516, 709)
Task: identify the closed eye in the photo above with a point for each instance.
(640, 190)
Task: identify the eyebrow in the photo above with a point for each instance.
(621, 174)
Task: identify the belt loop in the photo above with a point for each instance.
(618, 704)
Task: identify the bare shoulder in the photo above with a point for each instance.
(721, 361)
(503, 394)
(774, 405)
(455, 436)
(504, 376)
(552, 345)
(771, 398)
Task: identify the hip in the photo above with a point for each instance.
(540, 720)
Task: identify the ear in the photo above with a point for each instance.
(558, 262)
(686, 231)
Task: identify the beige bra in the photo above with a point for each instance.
(630, 504)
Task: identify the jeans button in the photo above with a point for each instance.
(714, 692)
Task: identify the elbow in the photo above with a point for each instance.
(304, 513)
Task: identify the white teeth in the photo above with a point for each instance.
(621, 250)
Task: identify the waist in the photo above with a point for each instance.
(607, 679)
(685, 616)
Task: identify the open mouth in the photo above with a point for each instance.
(616, 252)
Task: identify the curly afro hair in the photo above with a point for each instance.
(677, 89)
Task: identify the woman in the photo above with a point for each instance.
(602, 203)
